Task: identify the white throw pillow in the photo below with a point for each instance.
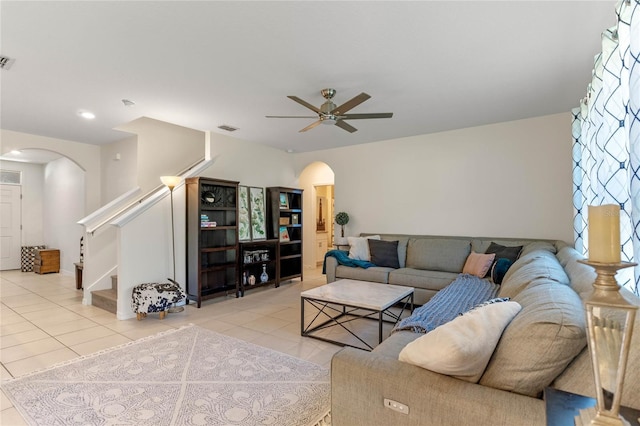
(462, 347)
(359, 247)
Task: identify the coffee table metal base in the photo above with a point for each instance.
(337, 315)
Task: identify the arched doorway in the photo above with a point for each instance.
(317, 180)
(53, 200)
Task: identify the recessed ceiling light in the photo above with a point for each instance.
(87, 114)
(289, 150)
(16, 152)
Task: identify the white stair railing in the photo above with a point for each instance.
(137, 244)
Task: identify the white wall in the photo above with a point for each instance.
(249, 163)
(64, 189)
(508, 179)
(119, 164)
(84, 155)
(163, 149)
(32, 194)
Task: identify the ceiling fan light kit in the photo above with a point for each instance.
(330, 114)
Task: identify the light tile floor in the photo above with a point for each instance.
(43, 322)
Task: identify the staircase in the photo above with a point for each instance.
(107, 299)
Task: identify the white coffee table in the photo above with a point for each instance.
(343, 301)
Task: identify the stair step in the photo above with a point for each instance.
(105, 299)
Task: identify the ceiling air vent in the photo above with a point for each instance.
(6, 62)
(227, 128)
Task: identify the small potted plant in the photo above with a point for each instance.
(342, 218)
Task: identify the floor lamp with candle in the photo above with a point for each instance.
(171, 182)
(610, 317)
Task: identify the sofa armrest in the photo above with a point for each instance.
(331, 263)
(360, 381)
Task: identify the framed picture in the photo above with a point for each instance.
(284, 234)
(284, 201)
(284, 221)
(257, 216)
(244, 217)
(295, 219)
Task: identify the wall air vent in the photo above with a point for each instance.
(227, 128)
(6, 62)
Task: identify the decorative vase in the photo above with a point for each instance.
(264, 277)
(252, 280)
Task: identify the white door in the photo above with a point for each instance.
(10, 226)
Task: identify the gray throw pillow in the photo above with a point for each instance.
(384, 253)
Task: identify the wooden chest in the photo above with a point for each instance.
(46, 261)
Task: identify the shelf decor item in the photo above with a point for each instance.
(264, 277)
(284, 201)
(284, 234)
(610, 316)
(257, 218)
(244, 216)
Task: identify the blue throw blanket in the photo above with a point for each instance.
(343, 259)
(462, 294)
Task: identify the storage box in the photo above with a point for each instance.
(47, 261)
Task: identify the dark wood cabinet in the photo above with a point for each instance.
(257, 257)
(284, 222)
(212, 238)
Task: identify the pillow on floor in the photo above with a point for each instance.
(462, 347)
(359, 247)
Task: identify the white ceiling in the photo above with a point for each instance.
(437, 65)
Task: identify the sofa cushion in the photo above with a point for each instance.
(462, 347)
(531, 268)
(374, 273)
(478, 264)
(359, 247)
(582, 276)
(418, 278)
(384, 253)
(538, 245)
(540, 341)
(438, 254)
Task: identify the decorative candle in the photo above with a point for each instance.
(604, 233)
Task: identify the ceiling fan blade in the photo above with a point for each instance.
(305, 103)
(354, 102)
(346, 126)
(310, 126)
(291, 116)
(361, 116)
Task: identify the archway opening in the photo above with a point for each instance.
(317, 179)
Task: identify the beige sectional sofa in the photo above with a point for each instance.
(427, 262)
(544, 345)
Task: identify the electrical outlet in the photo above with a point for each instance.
(396, 406)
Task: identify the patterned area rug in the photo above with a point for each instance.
(190, 376)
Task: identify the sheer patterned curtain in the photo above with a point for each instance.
(606, 138)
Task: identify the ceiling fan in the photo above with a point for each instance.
(329, 113)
